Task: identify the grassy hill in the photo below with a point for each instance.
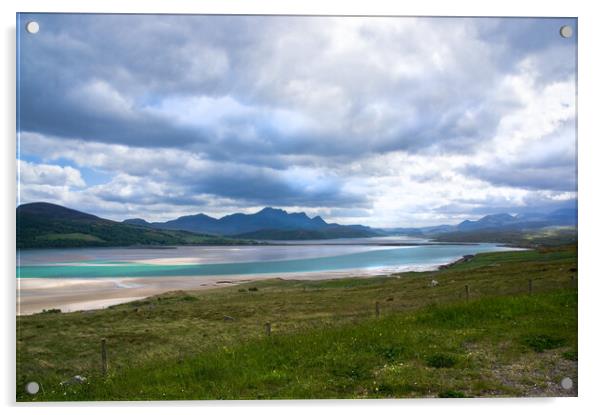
(553, 236)
(326, 341)
(44, 225)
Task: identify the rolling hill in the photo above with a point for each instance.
(492, 225)
(46, 225)
(505, 221)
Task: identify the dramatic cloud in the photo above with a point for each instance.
(31, 173)
(382, 121)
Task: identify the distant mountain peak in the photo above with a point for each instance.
(271, 210)
(136, 221)
(268, 218)
(199, 215)
(497, 216)
(318, 219)
(493, 220)
(529, 220)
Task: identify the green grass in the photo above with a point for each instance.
(326, 341)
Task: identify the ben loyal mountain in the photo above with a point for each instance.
(268, 223)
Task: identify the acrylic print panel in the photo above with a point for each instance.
(305, 207)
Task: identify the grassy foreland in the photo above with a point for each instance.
(552, 236)
(326, 340)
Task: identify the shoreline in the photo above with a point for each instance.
(426, 242)
(83, 294)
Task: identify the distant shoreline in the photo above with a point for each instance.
(268, 243)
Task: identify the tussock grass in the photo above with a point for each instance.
(440, 360)
(542, 342)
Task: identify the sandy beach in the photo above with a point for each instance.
(82, 291)
(74, 294)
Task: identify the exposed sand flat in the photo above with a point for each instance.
(73, 294)
(96, 304)
(170, 261)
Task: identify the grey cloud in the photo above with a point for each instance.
(266, 187)
(141, 197)
(283, 93)
(475, 209)
(533, 178)
(549, 163)
(149, 58)
(247, 185)
(535, 38)
(180, 176)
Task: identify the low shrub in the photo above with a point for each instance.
(441, 360)
(51, 311)
(452, 394)
(542, 342)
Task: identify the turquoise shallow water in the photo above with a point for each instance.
(402, 258)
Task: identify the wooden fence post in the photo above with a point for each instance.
(377, 309)
(466, 291)
(530, 286)
(268, 328)
(103, 356)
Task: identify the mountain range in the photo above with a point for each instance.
(499, 222)
(43, 224)
(277, 224)
(268, 223)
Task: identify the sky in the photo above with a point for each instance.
(382, 121)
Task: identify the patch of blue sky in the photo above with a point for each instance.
(94, 177)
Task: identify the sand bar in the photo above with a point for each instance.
(73, 294)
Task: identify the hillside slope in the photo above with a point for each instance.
(46, 225)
